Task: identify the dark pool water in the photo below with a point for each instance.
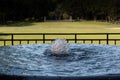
(84, 60)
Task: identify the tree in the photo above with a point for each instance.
(35, 10)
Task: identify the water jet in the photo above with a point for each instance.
(60, 47)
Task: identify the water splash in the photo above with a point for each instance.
(60, 47)
(31, 60)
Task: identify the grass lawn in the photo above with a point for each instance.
(60, 27)
(72, 27)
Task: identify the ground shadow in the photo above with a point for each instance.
(17, 24)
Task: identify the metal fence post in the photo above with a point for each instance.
(43, 38)
(75, 38)
(12, 39)
(107, 38)
(4, 42)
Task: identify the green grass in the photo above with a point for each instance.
(17, 24)
(43, 27)
(60, 27)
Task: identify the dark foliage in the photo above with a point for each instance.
(35, 10)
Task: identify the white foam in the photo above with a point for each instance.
(60, 46)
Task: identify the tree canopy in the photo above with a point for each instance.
(35, 10)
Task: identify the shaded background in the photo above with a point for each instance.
(39, 10)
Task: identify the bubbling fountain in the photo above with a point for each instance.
(60, 47)
(29, 61)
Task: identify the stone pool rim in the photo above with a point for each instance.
(30, 77)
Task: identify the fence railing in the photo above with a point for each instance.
(76, 37)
